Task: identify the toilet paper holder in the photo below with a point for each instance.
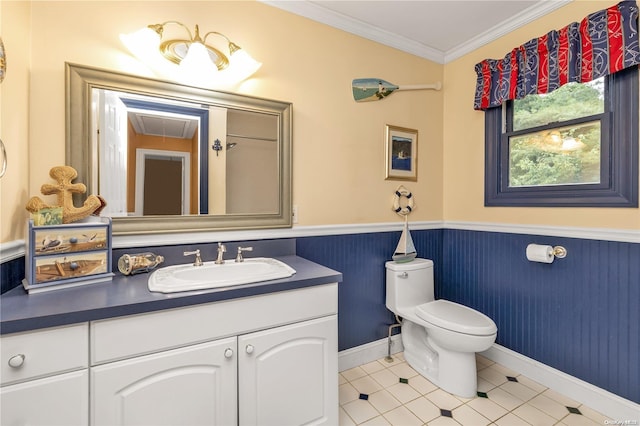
(559, 252)
(545, 253)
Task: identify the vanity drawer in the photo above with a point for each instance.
(134, 335)
(33, 354)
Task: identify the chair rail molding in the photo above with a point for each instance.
(13, 249)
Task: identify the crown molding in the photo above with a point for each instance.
(345, 23)
(320, 14)
(521, 19)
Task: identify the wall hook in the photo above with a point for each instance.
(217, 146)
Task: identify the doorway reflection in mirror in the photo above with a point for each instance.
(156, 157)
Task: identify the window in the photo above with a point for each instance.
(542, 153)
(575, 146)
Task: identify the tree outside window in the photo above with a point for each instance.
(574, 146)
(551, 154)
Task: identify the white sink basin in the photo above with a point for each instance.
(176, 278)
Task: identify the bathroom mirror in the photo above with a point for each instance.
(215, 160)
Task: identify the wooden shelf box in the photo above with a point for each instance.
(68, 255)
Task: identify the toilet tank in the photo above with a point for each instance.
(409, 284)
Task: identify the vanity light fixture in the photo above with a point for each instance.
(198, 61)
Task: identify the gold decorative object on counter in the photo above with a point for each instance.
(64, 189)
(130, 264)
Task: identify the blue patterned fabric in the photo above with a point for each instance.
(602, 43)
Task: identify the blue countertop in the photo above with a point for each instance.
(127, 295)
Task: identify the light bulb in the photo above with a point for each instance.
(144, 45)
(196, 66)
(242, 65)
(141, 42)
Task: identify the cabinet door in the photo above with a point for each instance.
(289, 375)
(57, 400)
(195, 385)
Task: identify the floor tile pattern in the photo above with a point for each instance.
(394, 394)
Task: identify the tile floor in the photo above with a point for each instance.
(383, 393)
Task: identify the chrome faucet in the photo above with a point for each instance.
(239, 257)
(221, 250)
(198, 261)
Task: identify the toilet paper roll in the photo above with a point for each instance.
(540, 253)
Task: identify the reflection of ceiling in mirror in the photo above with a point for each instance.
(149, 123)
(160, 123)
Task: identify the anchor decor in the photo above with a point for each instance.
(405, 251)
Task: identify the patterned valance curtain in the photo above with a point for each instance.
(603, 43)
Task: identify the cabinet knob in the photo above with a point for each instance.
(16, 361)
(228, 353)
(249, 349)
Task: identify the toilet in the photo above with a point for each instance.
(440, 338)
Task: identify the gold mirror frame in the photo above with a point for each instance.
(80, 80)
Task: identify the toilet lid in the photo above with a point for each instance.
(455, 317)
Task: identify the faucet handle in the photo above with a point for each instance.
(221, 250)
(239, 257)
(198, 261)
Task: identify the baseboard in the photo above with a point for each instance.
(363, 354)
(607, 403)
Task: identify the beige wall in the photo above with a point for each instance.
(338, 153)
(14, 118)
(464, 140)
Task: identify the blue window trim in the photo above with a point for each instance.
(619, 167)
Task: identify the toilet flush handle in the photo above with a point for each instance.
(404, 275)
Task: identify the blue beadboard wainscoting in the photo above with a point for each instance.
(362, 314)
(11, 273)
(579, 315)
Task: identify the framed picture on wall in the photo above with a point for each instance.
(401, 153)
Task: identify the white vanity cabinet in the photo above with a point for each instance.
(289, 375)
(262, 360)
(44, 377)
(186, 386)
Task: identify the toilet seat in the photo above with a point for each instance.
(455, 317)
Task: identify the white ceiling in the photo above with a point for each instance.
(161, 124)
(437, 30)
